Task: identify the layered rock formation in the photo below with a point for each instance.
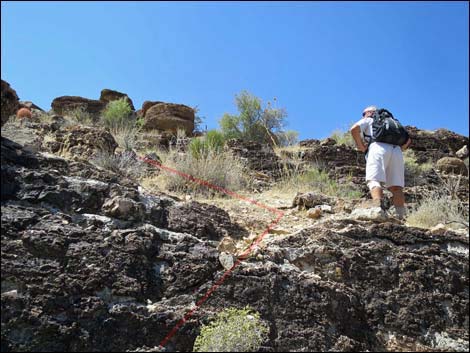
(9, 101)
(90, 262)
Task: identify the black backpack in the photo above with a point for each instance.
(386, 128)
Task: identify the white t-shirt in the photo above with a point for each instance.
(366, 128)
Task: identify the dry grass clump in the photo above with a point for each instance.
(441, 205)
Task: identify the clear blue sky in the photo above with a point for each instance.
(323, 61)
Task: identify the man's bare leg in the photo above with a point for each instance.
(398, 200)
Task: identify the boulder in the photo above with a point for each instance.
(169, 117)
(9, 101)
(30, 106)
(463, 152)
(452, 165)
(108, 95)
(310, 199)
(147, 105)
(61, 105)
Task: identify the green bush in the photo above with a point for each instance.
(117, 115)
(254, 122)
(213, 141)
(233, 330)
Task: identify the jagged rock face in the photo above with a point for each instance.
(258, 157)
(203, 221)
(61, 105)
(77, 273)
(82, 141)
(109, 95)
(433, 145)
(169, 117)
(9, 101)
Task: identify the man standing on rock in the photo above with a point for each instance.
(385, 163)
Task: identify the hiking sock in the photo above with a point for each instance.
(400, 211)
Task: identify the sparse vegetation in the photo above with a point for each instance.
(413, 170)
(441, 205)
(125, 164)
(220, 169)
(78, 115)
(343, 138)
(233, 330)
(303, 178)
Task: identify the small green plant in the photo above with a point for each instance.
(213, 142)
(233, 330)
(117, 115)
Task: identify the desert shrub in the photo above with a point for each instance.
(78, 115)
(213, 142)
(117, 115)
(233, 330)
(216, 168)
(314, 178)
(125, 164)
(254, 122)
(441, 205)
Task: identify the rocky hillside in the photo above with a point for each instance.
(92, 261)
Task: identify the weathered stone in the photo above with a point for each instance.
(309, 199)
(108, 95)
(30, 105)
(258, 157)
(369, 210)
(82, 141)
(9, 101)
(169, 117)
(147, 105)
(202, 220)
(452, 165)
(314, 213)
(433, 145)
(463, 152)
(62, 105)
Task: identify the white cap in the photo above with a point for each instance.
(370, 108)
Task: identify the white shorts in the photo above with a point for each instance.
(385, 164)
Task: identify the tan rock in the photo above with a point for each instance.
(314, 213)
(170, 117)
(451, 165)
(109, 95)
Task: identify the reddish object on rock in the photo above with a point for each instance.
(24, 113)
